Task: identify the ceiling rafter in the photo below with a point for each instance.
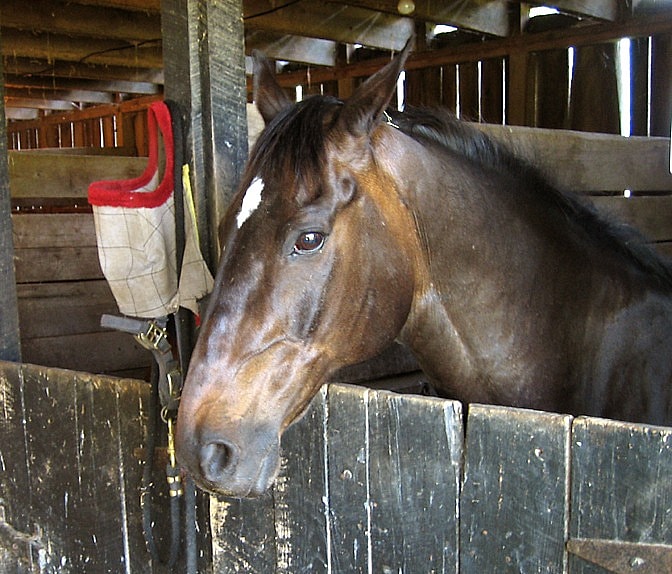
(59, 47)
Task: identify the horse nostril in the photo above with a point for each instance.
(216, 457)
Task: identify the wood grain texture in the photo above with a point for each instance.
(621, 488)
(366, 477)
(514, 497)
(70, 477)
(46, 174)
(10, 346)
(64, 474)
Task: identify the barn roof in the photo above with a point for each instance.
(62, 55)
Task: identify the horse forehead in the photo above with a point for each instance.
(251, 201)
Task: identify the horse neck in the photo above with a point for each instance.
(488, 270)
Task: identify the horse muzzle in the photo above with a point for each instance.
(230, 462)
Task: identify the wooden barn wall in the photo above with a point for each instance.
(72, 446)
(481, 90)
(372, 481)
(532, 88)
(60, 286)
(10, 346)
(119, 129)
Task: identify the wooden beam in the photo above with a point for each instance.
(68, 84)
(293, 48)
(21, 114)
(523, 43)
(590, 162)
(602, 9)
(39, 104)
(52, 175)
(149, 6)
(318, 19)
(10, 346)
(49, 95)
(28, 67)
(77, 21)
(129, 106)
(487, 17)
(112, 52)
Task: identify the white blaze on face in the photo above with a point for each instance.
(251, 201)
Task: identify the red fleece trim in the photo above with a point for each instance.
(123, 193)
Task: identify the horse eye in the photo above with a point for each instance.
(309, 242)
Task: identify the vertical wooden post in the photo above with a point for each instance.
(661, 89)
(10, 347)
(517, 88)
(204, 68)
(204, 73)
(516, 71)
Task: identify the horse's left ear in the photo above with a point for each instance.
(268, 95)
(364, 108)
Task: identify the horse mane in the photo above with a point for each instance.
(443, 128)
(294, 142)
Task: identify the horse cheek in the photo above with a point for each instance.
(377, 305)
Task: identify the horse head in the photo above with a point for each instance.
(316, 274)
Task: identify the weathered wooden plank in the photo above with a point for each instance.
(386, 510)
(415, 469)
(514, 497)
(284, 531)
(207, 79)
(57, 264)
(243, 535)
(98, 498)
(73, 511)
(36, 230)
(350, 25)
(106, 352)
(10, 346)
(68, 472)
(53, 309)
(621, 488)
(293, 48)
(15, 557)
(349, 507)
(299, 494)
(651, 215)
(46, 174)
(604, 9)
(124, 404)
(488, 17)
(587, 162)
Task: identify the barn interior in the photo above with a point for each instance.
(584, 86)
(79, 76)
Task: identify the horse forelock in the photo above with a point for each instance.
(293, 147)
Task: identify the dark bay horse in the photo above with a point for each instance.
(354, 227)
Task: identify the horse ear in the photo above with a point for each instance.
(364, 108)
(268, 95)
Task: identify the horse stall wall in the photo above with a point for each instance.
(60, 286)
(373, 481)
(71, 446)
